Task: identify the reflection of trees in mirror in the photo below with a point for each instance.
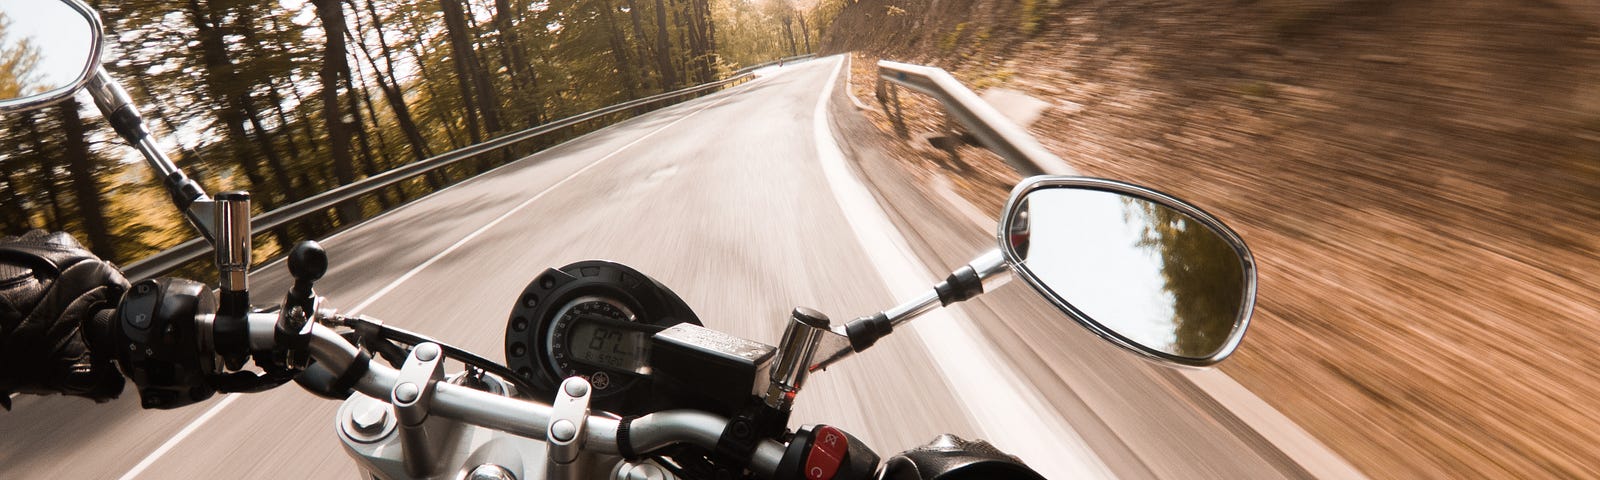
(18, 57)
(1203, 273)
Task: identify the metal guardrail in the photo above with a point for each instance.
(992, 129)
(173, 258)
(778, 62)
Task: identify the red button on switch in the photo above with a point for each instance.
(828, 447)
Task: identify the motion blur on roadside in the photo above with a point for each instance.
(1419, 181)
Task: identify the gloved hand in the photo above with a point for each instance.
(50, 288)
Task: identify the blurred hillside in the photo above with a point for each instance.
(1419, 180)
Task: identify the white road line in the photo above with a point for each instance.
(173, 442)
(1011, 414)
(195, 425)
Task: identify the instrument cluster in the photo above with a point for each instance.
(593, 319)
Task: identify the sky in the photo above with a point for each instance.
(1085, 248)
(59, 32)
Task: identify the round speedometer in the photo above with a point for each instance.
(600, 338)
(593, 319)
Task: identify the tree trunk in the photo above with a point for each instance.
(711, 27)
(244, 24)
(369, 163)
(701, 20)
(17, 218)
(45, 170)
(81, 166)
(482, 86)
(392, 93)
(331, 13)
(788, 31)
(294, 90)
(619, 51)
(450, 128)
(263, 138)
(221, 81)
(644, 44)
(805, 32)
(283, 121)
(522, 73)
(460, 53)
(684, 60)
(669, 79)
(305, 120)
(691, 33)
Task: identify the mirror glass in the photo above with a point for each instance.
(45, 46)
(1148, 273)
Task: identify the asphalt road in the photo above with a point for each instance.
(726, 200)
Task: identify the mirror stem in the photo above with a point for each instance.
(118, 108)
(985, 273)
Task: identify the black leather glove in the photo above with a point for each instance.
(50, 288)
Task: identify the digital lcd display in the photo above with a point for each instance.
(607, 346)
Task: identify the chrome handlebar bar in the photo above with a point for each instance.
(519, 417)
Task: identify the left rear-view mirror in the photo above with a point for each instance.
(48, 50)
(1139, 268)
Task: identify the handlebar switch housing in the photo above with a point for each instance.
(159, 321)
(822, 452)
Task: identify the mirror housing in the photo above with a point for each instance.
(1129, 264)
(72, 63)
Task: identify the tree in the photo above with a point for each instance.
(619, 49)
(393, 94)
(331, 14)
(1202, 272)
(85, 187)
(257, 98)
(479, 95)
(669, 80)
(18, 59)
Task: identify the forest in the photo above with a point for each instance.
(289, 98)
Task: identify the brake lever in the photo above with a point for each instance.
(249, 382)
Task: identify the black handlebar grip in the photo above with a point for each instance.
(101, 333)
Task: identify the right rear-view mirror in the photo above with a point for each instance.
(1140, 268)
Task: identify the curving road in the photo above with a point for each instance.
(744, 203)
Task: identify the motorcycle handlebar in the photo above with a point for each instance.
(338, 357)
(520, 417)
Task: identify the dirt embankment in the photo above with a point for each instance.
(1419, 181)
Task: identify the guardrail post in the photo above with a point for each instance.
(951, 142)
(888, 93)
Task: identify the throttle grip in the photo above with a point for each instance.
(100, 332)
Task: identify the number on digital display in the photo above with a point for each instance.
(617, 346)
